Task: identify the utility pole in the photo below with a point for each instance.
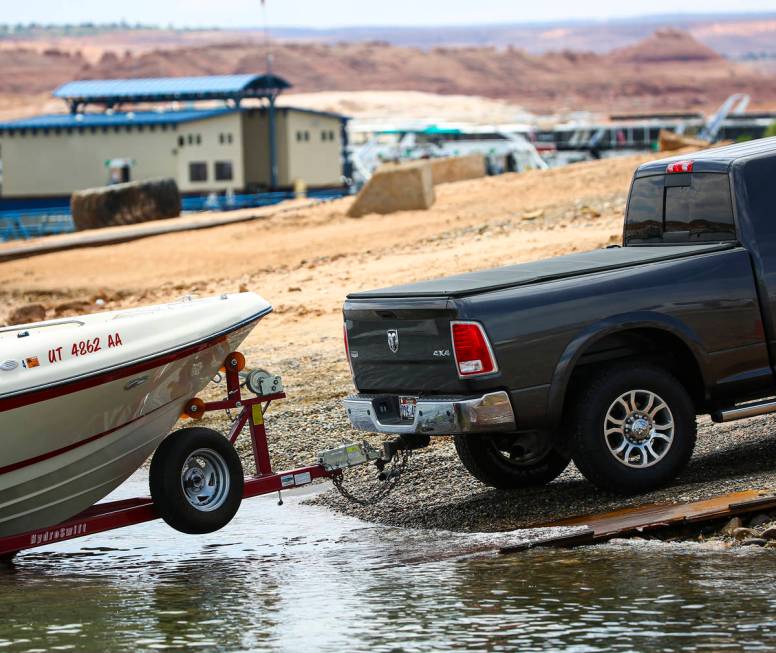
(273, 159)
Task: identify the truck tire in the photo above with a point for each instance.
(196, 480)
(508, 462)
(632, 428)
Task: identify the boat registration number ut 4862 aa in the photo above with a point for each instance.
(407, 406)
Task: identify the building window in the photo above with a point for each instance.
(221, 139)
(224, 171)
(197, 171)
(191, 139)
(181, 141)
(199, 139)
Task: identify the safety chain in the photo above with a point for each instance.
(399, 464)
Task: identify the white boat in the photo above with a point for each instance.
(84, 401)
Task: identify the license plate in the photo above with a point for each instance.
(407, 408)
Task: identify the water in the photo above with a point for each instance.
(297, 578)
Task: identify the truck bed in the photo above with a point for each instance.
(561, 267)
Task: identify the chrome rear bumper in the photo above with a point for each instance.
(433, 415)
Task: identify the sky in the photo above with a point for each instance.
(338, 13)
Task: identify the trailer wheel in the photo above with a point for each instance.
(509, 462)
(633, 428)
(196, 480)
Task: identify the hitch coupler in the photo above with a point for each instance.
(361, 453)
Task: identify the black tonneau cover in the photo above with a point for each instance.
(561, 267)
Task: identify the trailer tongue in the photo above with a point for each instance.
(201, 486)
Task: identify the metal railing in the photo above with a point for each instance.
(22, 224)
(35, 222)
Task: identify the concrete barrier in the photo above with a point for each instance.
(128, 203)
(457, 168)
(405, 187)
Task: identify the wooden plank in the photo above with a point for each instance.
(638, 519)
(127, 233)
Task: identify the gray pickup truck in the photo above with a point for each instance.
(605, 357)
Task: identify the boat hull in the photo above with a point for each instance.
(73, 445)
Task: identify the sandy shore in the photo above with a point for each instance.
(306, 261)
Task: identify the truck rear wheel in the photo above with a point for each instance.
(509, 462)
(633, 428)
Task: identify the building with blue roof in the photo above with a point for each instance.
(211, 134)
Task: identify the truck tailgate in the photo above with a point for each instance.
(402, 346)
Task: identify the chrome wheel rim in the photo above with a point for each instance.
(639, 429)
(205, 480)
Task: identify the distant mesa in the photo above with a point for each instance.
(667, 45)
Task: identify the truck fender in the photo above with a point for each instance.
(608, 326)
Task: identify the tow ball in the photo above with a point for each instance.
(390, 459)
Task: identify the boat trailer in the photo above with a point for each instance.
(266, 388)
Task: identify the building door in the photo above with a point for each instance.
(120, 171)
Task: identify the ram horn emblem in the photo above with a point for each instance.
(393, 340)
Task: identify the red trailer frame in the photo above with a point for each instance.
(111, 515)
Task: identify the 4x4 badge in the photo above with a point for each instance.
(393, 340)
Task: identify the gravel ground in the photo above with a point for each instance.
(437, 492)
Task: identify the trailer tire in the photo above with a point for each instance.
(632, 428)
(490, 459)
(196, 480)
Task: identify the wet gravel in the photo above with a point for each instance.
(437, 492)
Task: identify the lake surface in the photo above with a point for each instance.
(298, 578)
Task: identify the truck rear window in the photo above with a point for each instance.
(678, 208)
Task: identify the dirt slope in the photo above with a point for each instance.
(668, 70)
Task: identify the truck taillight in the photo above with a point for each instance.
(473, 354)
(679, 166)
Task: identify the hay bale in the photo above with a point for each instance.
(130, 203)
(406, 187)
(457, 168)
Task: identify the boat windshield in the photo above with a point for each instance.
(16, 332)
